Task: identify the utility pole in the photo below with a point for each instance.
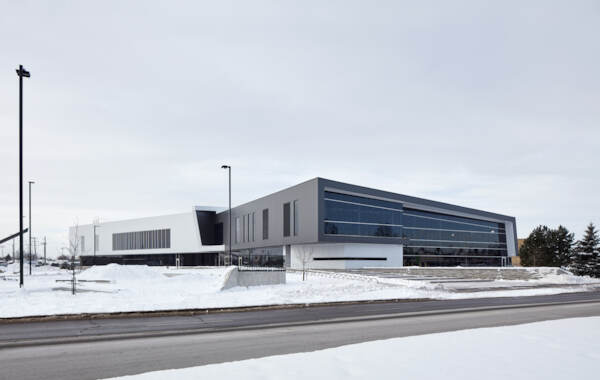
(35, 243)
(96, 221)
(45, 250)
(228, 167)
(21, 72)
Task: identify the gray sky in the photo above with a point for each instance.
(132, 107)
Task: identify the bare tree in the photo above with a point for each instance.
(304, 254)
(73, 249)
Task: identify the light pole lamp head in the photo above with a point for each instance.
(31, 181)
(225, 167)
(22, 72)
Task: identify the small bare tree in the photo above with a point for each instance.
(73, 249)
(304, 254)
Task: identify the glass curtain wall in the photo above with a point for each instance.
(349, 215)
(439, 239)
(429, 238)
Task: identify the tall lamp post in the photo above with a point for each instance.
(45, 250)
(22, 73)
(30, 251)
(95, 242)
(228, 167)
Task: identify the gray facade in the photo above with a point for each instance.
(426, 232)
(249, 215)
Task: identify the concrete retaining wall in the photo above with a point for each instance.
(481, 273)
(256, 277)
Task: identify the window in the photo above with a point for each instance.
(82, 244)
(253, 220)
(141, 240)
(296, 218)
(244, 239)
(219, 233)
(422, 232)
(265, 223)
(238, 230)
(96, 242)
(430, 233)
(359, 216)
(286, 219)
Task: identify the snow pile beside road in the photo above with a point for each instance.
(13, 268)
(562, 349)
(116, 272)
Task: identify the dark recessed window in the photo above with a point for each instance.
(296, 218)
(286, 219)
(219, 233)
(265, 223)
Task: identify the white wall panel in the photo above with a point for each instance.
(185, 234)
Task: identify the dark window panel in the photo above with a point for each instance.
(346, 212)
(363, 200)
(286, 219)
(352, 229)
(265, 223)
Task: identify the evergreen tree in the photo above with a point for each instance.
(586, 262)
(562, 244)
(547, 247)
(536, 250)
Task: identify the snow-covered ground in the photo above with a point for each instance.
(562, 349)
(142, 288)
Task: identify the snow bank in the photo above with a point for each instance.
(13, 268)
(142, 288)
(562, 349)
(116, 272)
(10, 268)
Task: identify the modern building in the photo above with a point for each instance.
(319, 223)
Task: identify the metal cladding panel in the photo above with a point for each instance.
(307, 229)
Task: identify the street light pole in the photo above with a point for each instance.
(21, 72)
(95, 242)
(228, 167)
(45, 250)
(30, 252)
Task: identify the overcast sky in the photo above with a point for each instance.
(131, 108)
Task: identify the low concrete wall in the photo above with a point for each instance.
(480, 273)
(251, 277)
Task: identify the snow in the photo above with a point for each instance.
(141, 288)
(561, 349)
(13, 268)
(116, 272)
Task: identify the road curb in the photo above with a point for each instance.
(191, 312)
(158, 334)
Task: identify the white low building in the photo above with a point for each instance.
(157, 240)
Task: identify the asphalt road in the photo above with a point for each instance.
(135, 345)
